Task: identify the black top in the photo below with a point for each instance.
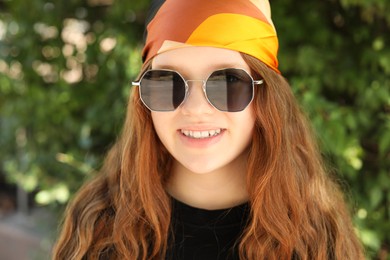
(206, 234)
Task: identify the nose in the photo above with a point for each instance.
(196, 101)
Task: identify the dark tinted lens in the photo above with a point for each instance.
(162, 90)
(230, 89)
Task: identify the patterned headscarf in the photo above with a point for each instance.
(240, 25)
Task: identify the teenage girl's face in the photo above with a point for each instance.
(229, 133)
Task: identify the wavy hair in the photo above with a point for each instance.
(297, 211)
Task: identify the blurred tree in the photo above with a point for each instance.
(336, 54)
(65, 68)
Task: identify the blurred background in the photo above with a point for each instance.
(65, 72)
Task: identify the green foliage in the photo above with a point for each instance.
(65, 68)
(64, 79)
(336, 55)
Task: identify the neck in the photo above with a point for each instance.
(220, 189)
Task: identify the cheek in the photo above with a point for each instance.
(246, 124)
(247, 119)
(157, 122)
(162, 125)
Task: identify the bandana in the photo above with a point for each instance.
(239, 25)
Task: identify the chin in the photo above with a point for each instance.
(201, 167)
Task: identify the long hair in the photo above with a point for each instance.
(297, 211)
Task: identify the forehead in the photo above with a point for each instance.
(199, 59)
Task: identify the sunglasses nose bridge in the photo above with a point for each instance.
(203, 82)
(195, 80)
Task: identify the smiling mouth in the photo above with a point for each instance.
(201, 134)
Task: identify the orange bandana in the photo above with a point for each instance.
(240, 25)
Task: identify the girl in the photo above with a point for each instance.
(215, 161)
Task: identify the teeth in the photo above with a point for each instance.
(201, 134)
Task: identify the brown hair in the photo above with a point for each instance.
(297, 211)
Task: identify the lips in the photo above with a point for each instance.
(201, 134)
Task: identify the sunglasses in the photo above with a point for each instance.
(228, 90)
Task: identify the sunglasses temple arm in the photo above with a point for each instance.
(135, 83)
(256, 82)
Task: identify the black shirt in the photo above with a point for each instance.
(206, 234)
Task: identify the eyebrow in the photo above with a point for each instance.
(217, 67)
(165, 66)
